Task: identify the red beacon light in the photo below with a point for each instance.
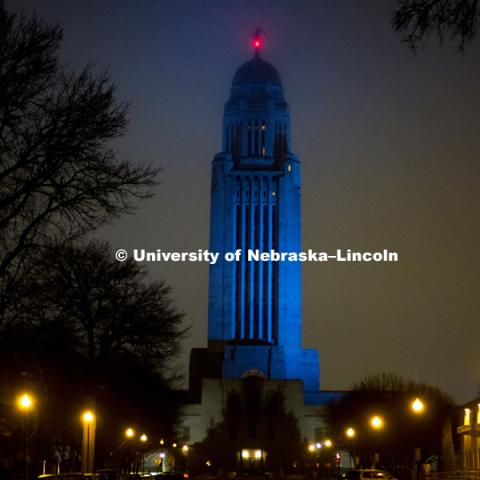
(257, 41)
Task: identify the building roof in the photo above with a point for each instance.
(256, 71)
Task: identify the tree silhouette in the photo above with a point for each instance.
(457, 19)
(59, 178)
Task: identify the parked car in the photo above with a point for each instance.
(369, 473)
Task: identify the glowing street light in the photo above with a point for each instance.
(143, 438)
(88, 441)
(311, 447)
(376, 422)
(129, 432)
(88, 416)
(25, 402)
(185, 449)
(328, 443)
(417, 406)
(350, 432)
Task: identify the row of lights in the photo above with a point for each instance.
(317, 446)
(130, 433)
(376, 422)
(26, 402)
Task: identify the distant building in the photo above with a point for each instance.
(254, 351)
(469, 436)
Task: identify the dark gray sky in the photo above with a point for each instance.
(390, 145)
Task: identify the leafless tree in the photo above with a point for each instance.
(59, 175)
(457, 19)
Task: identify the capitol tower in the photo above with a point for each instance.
(254, 307)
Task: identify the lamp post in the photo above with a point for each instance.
(377, 423)
(143, 439)
(418, 408)
(89, 422)
(25, 403)
(350, 433)
(117, 462)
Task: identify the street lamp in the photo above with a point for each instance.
(328, 443)
(311, 448)
(25, 403)
(350, 433)
(143, 438)
(88, 441)
(129, 432)
(417, 406)
(88, 417)
(376, 422)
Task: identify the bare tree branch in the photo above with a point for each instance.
(59, 176)
(457, 19)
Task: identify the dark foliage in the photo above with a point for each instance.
(457, 19)
(59, 178)
(90, 331)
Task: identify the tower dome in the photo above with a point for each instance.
(257, 79)
(256, 71)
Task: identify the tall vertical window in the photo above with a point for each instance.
(247, 302)
(274, 275)
(238, 273)
(466, 418)
(256, 293)
(250, 138)
(263, 139)
(265, 268)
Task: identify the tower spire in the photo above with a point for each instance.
(257, 40)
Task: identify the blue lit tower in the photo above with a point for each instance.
(255, 308)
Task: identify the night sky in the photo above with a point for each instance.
(390, 147)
